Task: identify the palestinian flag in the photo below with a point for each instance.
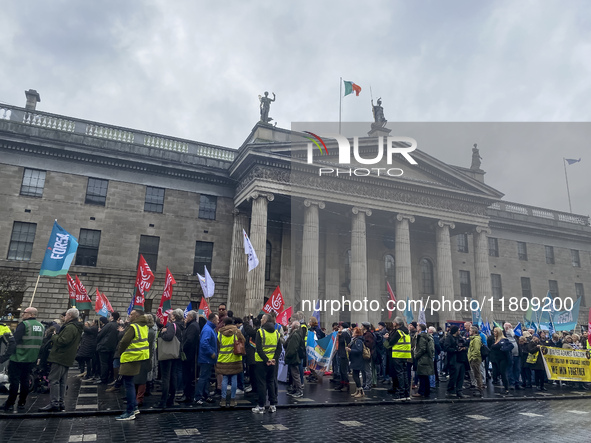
(351, 87)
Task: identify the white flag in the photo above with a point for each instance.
(422, 319)
(207, 284)
(253, 260)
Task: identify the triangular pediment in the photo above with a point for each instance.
(429, 172)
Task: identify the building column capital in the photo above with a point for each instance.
(483, 230)
(410, 218)
(356, 210)
(256, 194)
(308, 203)
(446, 223)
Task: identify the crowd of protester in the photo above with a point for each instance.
(191, 356)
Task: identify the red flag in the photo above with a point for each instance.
(392, 297)
(71, 289)
(204, 307)
(283, 318)
(143, 283)
(275, 303)
(83, 301)
(107, 303)
(165, 306)
(98, 303)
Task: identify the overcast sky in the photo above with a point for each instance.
(194, 69)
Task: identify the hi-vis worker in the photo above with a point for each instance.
(28, 337)
(134, 348)
(229, 364)
(268, 350)
(399, 341)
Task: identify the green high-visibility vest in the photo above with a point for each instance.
(226, 354)
(402, 347)
(27, 351)
(139, 348)
(269, 342)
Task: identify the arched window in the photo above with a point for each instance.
(268, 261)
(427, 285)
(390, 271)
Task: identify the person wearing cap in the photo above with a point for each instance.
(455, 347)
(399, 342)
(343, 340)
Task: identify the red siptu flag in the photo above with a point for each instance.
(71, 290)
(275, 303)
(589, 329)
(107, 303)
(392, 297)
(203, 307)
(143, 283)
(283, 318)
(83, 301)
(165, 306)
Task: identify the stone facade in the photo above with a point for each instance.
(328, 237)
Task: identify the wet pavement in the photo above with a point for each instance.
(535, 421)
(87, 399)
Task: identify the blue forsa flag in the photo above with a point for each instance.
(60, 252)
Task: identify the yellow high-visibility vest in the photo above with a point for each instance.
(269, 342)
(226, 354)
(139, 348)
(402, 347)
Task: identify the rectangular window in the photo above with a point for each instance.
(575, 258)
(149, 249)
(493, 247)
(88, 246)
(553, 288)
(522, 250)
(497, 287)
(207, 206)
(21, 241)
(580, 292)
(526, 287)
(465, 286)
(203, 256)
(96, 191)
(154, 199)
(549, 255)
(33, 183)
(462, 240)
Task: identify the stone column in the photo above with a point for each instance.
(445, 281)
(255, 281)
(310, 244)
(286, 279)
(403, 259)
(238, 264)
(359, 262)
(332, 288)
(482, 270)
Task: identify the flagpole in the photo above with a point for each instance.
(567, 188)
(340, 101)
(34, 291)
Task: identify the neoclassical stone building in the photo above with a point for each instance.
(437, 231)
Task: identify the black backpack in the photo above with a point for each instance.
(484, 351)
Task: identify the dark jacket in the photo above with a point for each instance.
(369, 340)
(343, 340)
(319, 333)
(250, 336)
(208, 344)
(229, 368)
(191, 340)
(107, 338)
(496, 354)
(452, 346)
(269, 328)
(424, 354)
(356, 354)
(87, 348)
(65, 343)
(295, 347)
(130, 367)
